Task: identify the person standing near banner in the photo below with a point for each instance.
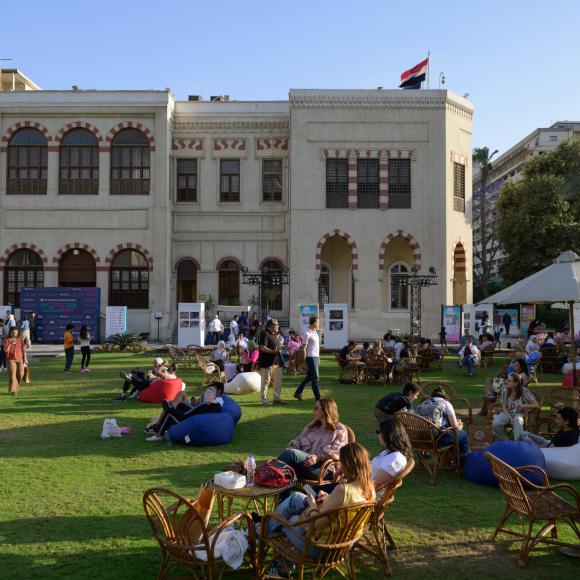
(15, 353)
(69, 347)
(85, 343)
(311, 346)
(33, 331)
(507, 322)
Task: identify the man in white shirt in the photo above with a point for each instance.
(216, 328)
(311, 347)
(234, 327)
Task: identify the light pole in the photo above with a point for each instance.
(416, 283)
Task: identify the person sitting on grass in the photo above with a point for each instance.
(394, 402)
(320, 440)
(566, 420)
(515, 400)
(182, 408)
(356, 487)
(141, 378)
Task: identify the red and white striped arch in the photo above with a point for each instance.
(81, 125)
(25, 125)
(347, 238)
(129, 246)
(22, 246)
(130, 125)
(413, 243)
(458, 256)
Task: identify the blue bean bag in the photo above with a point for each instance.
(478, 468)
(204, 430)
(232, 407)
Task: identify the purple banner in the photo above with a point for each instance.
(57, 307)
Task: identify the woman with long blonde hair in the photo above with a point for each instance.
(320, 440)
(357, 486)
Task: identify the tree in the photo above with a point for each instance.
(487, 248)
(539, 217)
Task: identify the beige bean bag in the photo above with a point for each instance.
(244, 384)
(563, 462)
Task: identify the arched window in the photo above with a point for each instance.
(324, 286)
(27, 162)
(130, 163)
(272, 285)
(399, 294)
(229, 283)
(186, 281)
(79, 163)
(23, 269)
(129, 280)
(77, 268)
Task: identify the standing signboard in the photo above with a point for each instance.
(451, 320)
(190, 324)
(57, 307)
(116, 320)
(527, 314)
(335, 325)
(306, 311)
(477, 319)
(514, 325)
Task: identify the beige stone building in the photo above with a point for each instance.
(157, 201)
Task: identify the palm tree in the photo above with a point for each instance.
(487, 247)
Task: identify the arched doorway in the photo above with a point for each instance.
(324, 296)
(398, 259)
(337, 256)
(228, 283)
(459, 275)
(77, 268)
(186, 281)
(271, 285)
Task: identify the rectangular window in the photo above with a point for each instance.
(272, 180)
(230, 180)
(459, 187)
(400, 183)
(367, 179)
(336, 183)
(187, 180)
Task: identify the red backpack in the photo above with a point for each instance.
(274, 473)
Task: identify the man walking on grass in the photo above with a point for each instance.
(311, 348)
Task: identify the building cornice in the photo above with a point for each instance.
(209, 126)
(383, 99)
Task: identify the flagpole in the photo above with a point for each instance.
(428, 67)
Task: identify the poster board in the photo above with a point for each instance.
(190, 324)
(476, 318)
(305, 312)
(513, 312)
(451, 319)
(527, 314)
(335, 325)
(57, 307)
(116, 320)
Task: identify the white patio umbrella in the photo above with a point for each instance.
(559, 282)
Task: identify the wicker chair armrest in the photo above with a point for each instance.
(566, 487)
(467, 403)
(451, 430)
(324, 468)
(537, 471)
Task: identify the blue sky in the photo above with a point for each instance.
(517, 59)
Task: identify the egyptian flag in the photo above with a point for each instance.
(412, 78)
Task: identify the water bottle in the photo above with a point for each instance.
(250, 469)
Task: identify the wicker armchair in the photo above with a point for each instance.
(381, 535)
(425, 437)
(376, 370)
(211, 371)
(332, 544)
(180, 530)
(177, 355)
(296, 362)
(551, 359)
(536, 503)
(341, 366)
(487, 355)
(425, 359)
(410, 370)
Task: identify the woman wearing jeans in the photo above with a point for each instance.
(85, 342)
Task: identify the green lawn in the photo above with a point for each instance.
(71, 503)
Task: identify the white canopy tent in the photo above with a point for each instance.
(559, 282)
